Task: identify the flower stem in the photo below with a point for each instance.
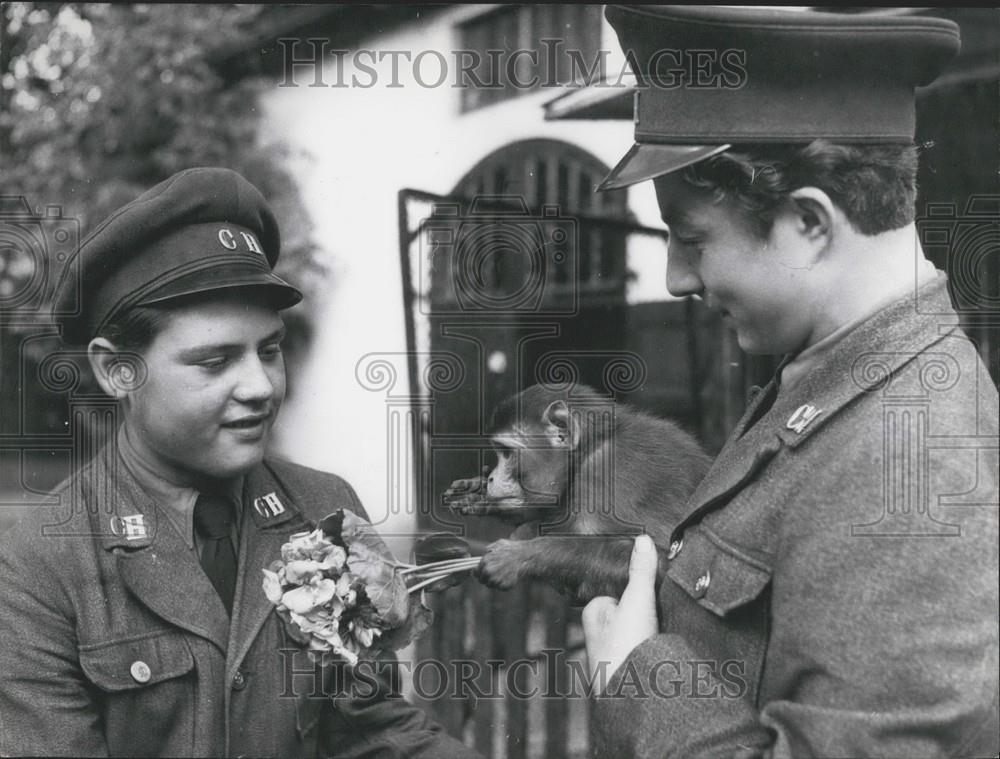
(434, 572)
(444, 572)
(445, 564)
(433, 579)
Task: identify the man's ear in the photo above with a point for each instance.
(117, 372)
(560, 428)
(814, 214)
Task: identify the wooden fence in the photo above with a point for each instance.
(514, 665)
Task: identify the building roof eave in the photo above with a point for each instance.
(594, 102)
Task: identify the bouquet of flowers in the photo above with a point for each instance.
(341, 592)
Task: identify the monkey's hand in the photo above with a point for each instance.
(465, 487)
(469, 503)
(468, 495)
(505, 564)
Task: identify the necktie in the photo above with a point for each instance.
(213, 519)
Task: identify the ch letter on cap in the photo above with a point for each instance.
(229, 242)
(269, 506)
(252, 243)
(227, 239)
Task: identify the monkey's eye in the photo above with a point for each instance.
(510, 458)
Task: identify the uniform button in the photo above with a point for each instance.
(140, 671)
(675, 548)
(239, 681)
(702, 583)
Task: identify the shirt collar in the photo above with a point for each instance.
(177, 501)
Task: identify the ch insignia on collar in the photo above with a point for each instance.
(269, 506)
(131, 527)
(802, 417)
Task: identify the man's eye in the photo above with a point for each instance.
(216, 362)
(271, 351)
(688, 242)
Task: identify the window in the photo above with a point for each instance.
(536, 174)
(523, 47)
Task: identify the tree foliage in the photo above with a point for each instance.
(98, 102)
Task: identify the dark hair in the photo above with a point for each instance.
(874, 185)
(135, 328)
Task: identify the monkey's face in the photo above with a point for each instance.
(530, 473)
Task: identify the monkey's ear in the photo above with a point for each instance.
(559, 426)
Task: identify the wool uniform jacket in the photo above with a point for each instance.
(832, 588)
(117, 644)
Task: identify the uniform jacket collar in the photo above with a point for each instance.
(157, 565)
(862, 362)
(177, 502)
(867, 357)
(274, 518)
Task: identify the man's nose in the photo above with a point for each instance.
(254, 383)
(682, 277)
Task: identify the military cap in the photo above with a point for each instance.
(202, 229)
(711, 77)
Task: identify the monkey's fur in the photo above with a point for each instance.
(594, 473)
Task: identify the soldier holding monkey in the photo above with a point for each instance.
(841, 547)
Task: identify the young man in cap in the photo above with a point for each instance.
(132, 617)
(832, 588)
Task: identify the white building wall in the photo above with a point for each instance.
(353, 149)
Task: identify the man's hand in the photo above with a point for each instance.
(613, 628)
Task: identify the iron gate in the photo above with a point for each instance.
(498, 296)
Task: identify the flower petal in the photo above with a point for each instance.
(323, 591)
(272, 586)
(343, 585)
(332, 557)
(301, 571)
(299, 600)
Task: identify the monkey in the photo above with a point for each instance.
(594, 472)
